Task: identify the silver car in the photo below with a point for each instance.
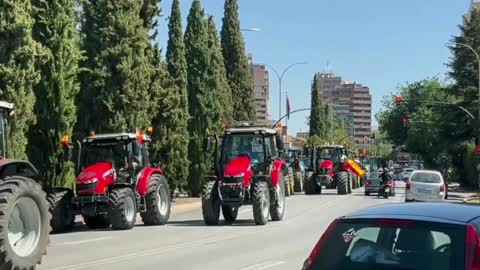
(427, 186)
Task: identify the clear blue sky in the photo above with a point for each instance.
(378, 43)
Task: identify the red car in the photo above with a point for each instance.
(440, 236)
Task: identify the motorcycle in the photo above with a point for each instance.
(385, 189)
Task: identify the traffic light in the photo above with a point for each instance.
(404, 121)
(398, 100)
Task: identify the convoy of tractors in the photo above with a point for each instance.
(115, 181)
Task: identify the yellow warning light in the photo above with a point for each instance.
(150, 129)
(65, 139)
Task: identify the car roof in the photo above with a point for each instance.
(427, 171)
(439, 212)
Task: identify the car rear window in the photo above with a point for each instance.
(426, 178)
(391, 244)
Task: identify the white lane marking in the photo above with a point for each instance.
(313, 211)
(85, 241)
(263, 266)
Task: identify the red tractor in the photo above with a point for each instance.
(116, 181)
(330, 168)
(249, 170)
(24, 211)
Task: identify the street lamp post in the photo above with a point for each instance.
(478, 116)
(280, 78)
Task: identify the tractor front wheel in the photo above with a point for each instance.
(97, 222)
(341, 178)
(123, 208)
(277, 208)
(158, 201)
(24, 223)
(261, 202)
(61, 210)
(229, 213)
(210, 203)
(298, 177)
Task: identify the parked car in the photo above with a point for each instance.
(401, 236)
(407, 172)
(372, 184)
(424, 185)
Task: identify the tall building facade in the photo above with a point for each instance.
(261, 90)
(352, 103)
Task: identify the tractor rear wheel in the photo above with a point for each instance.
(158, 201)
(350, 182)
(61, 210)
(97, 222)
(277, 208)
(123, 211)
(298, 177)
(341, 178)
(261, 202)
(24, 223)
(229, 213)
(288, 191)
(210, 203)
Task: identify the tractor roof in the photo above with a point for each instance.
(6, 105)
(115, 136)
(254, 130)
(331, 146)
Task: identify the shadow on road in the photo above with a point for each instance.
(201, 223)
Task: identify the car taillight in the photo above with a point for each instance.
(368, 183)
(472, 249)
(320, 244)
(442, 187)
(408, 184)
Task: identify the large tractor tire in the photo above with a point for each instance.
(311, 187)
(350, 182)
(123, 208)
(210, 203)
(229, 213)
(158, 201)
(261, 202)
(288, 190)
(97, 222)
(341, 178)
(277, 208)
(298, 186)
(61, 209)
(24, 223)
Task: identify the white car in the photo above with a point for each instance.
(426, 186)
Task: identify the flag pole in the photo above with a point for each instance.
(286, 120)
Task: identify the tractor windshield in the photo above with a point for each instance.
(330, 154)
(114, 152)
(236, 145)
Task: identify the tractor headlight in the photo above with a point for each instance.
(91, 181)
(236, 175)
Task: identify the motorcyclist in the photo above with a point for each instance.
(385, 177)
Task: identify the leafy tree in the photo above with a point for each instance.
(219, 76)
(117, 83)
(236, 64)
(19, 58)
(56, 93)
(201, 94)
(171, 134)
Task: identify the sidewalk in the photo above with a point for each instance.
(459, 193)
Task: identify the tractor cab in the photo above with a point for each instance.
(253, 146)
(6, 110)
(125, 154)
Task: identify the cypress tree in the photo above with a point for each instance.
(118, 81)
(171, 136)
(55, 107)
(200, 95)
(19, 56)
(316, 113)
(236, 64)
(219, 74)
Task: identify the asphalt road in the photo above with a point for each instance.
(186, 243)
